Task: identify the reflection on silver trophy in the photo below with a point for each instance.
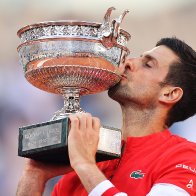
(70, 58)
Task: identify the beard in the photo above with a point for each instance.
(119, 93)
(113, 90)
(130, 96)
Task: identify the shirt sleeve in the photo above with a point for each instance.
(167, 190)
(179, 169)
(106, 188)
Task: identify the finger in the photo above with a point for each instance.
(96, 124)
(82, 120)
(85, 121)
(89, 121)
(74, 122)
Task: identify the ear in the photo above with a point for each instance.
(170, 95)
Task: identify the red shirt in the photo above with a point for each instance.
(156, 158)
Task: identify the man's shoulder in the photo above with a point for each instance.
(180, 149)
(182, 143)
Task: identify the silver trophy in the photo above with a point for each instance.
(70, 58)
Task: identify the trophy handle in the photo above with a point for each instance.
(106, 28)
(106, 19)
(109, 31)
(117, 22)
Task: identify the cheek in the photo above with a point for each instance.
(145, 85)
(153, 75)
(150, 79)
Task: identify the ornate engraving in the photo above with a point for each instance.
(42, 50)
(64, 31)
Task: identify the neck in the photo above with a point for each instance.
(139, 122)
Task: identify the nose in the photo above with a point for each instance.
(128, 65)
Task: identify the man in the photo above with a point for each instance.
(157, 89)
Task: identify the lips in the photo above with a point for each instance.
(123, 76)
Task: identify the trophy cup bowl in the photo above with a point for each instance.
(70, 58)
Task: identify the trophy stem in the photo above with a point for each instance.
(71, 97)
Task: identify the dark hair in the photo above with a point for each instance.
(182, 74)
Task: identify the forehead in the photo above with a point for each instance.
(163, 55)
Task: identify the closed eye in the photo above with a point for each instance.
(148, 65)
(149, 61)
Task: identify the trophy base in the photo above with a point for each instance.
(48, 142)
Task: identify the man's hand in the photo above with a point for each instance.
(83, 139)
(82, 146)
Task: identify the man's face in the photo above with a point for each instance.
(142, 76)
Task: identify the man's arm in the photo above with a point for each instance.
(31, 183)
(82, 145)
(35, 175)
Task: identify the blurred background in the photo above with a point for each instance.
(22, 104)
